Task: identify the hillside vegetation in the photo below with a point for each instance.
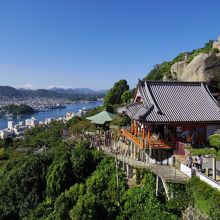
(69, 180)
(164, 69)
(18, 109)
(46, 176)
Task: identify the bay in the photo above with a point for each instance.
(54, 113)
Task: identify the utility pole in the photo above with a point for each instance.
(115, 137)
(117, 178)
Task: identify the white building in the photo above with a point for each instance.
(6, 133)
(80, 113)
(20, 130)
(11, 125)
(31, 122)
(21, 123)
(3, 134)
(69, 115)
(49, 120)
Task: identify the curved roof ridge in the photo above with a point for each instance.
(142, 93)
(138, 111)
(209, 95)
(131, 105)
(172, 82)
(152, 100)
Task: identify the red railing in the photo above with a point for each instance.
(142, 143)
(133, 138)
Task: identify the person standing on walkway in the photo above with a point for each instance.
(199, 162)
(189, 161)
(195, 163)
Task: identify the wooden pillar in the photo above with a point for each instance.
(143, 132)
(132, 126)
(148, 135)
(148, 141)
(143, 136)
(136, 128)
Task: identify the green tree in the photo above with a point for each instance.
(80, 128)
(121, 121)
(141, 201)
(126, 96)
(114, 94)
(22, 186)
(100, 200)
(60, 174)
(82, 161)
(205, 198)
(67, 200)
(7, 142)
(18, 109)
(159, 71)
(133, 93)
(215, 141)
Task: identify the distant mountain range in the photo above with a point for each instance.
(78, 93)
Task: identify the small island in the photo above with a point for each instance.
(16, 110)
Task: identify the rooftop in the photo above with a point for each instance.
(174, 102)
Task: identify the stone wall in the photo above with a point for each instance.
(194, 214)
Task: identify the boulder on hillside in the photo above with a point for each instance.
(177, 69)
(216, 44)
(204, 67)
(195, 69)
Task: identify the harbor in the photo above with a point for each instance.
(52, 113)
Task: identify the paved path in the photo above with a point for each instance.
(168, 173)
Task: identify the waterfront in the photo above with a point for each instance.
(54, 113)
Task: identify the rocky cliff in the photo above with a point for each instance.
(203, 67)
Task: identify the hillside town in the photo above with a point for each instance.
(17, 130)
(109, 110)
(37, 103)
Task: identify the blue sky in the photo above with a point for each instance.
(91, 43)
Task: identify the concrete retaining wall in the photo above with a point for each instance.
(187, 170)
(192, 213)
(208, 180)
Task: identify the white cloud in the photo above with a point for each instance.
(57, 86)
(26, 86)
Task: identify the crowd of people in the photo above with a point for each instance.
(195, 162)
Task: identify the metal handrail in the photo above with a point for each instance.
(155, 168)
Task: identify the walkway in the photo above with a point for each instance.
(166, 172)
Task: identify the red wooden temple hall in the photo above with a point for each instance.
(167, 115)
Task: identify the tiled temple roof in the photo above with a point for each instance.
(174, 102)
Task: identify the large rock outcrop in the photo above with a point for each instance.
(203, 67)
(216, 44)
(195, 70)
(177, 69)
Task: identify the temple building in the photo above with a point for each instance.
(166, 116)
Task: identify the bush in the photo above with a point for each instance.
(121, 121)
(3, 154)
(206, 198)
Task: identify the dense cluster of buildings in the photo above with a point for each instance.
(37, 103)
(17, 130)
